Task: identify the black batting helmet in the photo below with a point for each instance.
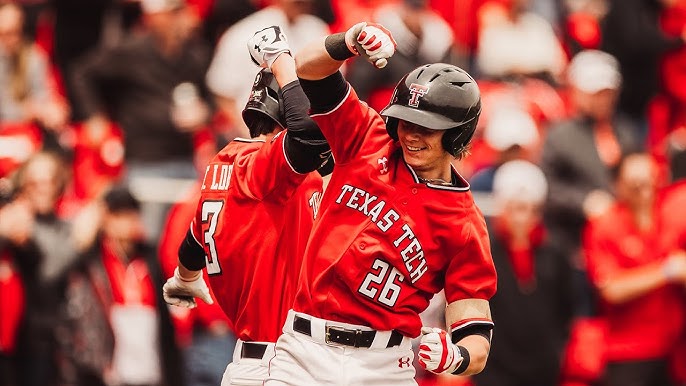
(440, 97)
(264, 106)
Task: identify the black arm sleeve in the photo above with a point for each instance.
(327, 93)
(306, 147)
(191, 254)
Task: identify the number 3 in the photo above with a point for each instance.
(210, 212)
(390, 290)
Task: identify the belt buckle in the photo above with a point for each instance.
(355, 343)
(327, 335)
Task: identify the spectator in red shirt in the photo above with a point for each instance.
(638, 279)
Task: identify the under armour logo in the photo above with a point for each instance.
(258, 47)
(417, 91)
(272, 33)
(383, 162)
(404, 362)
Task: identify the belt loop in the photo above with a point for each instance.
(237, 351)
(290, 318)
(380, 339)
(318, 329)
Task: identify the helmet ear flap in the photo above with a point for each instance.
(455, 140)
(392, 127)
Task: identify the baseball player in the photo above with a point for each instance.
(258, 201)
(397, 224)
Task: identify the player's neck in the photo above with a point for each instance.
(443, 176)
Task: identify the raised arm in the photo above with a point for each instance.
(305, 145)
(324, 57)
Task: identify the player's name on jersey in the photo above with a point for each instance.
(221, 175)
(408, 245)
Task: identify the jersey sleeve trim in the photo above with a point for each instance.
(460, 324)
(347, 94)
(248, 140)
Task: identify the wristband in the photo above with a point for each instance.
(336, 47)
(195, 277)
(465, 361)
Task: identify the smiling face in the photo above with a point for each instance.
(423, 150)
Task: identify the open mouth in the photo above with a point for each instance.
(414, 148)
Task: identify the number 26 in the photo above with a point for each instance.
(383, 276)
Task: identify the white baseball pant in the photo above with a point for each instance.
(250, 364)
(313, 351)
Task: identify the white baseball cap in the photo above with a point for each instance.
(508, 127)
(519, 180)
(592, 71)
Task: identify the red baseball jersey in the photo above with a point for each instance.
(253, 219)
(385, 243)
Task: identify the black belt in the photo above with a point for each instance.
(253, 350)
(344, 336)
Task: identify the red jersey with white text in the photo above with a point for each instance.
(385, 243)
(253, 219)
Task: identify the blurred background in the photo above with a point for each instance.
(110, 110)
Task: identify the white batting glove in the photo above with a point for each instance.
(437, 353)
(371, 40)
(178, 291)
(266, 45)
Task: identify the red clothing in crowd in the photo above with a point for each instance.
(11, 304)
(673, 204)
(667, 111)
(18, 141)
(648, 326)
(130, 281)
(522, 259)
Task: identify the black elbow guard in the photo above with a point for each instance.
(472, 327)
(191, 254)
(465, 328)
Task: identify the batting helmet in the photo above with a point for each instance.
(440, 97)
(265, 102)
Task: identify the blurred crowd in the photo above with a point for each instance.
(110, 108)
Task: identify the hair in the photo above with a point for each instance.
(261, 123)
(19, 61)
(62, 173)
(119, 199)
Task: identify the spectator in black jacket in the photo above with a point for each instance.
(532, 307)
(152, 86)
(118, 330)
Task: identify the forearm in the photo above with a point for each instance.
(315, 61)
(471, 324)
(306, 147)
(284, 69)
(633, 283)
(478, 348)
